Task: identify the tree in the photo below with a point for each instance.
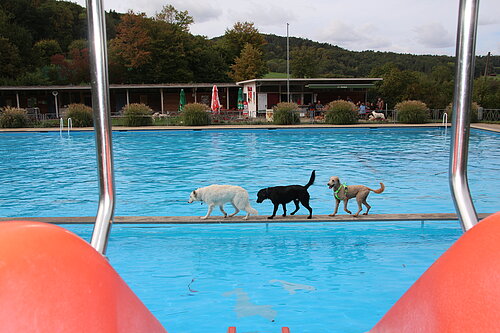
(249, 65)
(59, 20)
(235, 39)
(168, 54)
(170, 15)
(398, 86)
(9, 58)
(130, 46)
(205, 60)
(442, 73)
(304, 62)
(44, 49)
(487, 92)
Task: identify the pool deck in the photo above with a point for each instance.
(483, 126)
(239, 219)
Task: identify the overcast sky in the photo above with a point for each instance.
(403, 26)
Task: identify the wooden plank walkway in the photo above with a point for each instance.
(239, 219)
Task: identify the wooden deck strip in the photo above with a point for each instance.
(239, 219)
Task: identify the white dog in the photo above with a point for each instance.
(218, 195)
(376, 115)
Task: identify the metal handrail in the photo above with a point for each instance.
(70, 125)
(102, 123)
(445, 119)
(465, 53)
(61, 126)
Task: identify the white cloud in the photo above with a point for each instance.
(339, 32)
(201, 11)
(384, 25)
(434, 35)
(354, 37)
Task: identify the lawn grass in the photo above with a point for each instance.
(275, 75)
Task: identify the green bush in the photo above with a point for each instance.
(137, 115)
(47, 123)
(13, 118)
(81, 115)
(412, 112)
(341, 112)
(473, 116)
(195, 114)
(286, 114)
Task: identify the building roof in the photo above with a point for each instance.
(124, 86)
(313, 81)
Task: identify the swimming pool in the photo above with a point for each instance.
(319, 277)
(45, 174)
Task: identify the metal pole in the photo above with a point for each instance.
(102, 124)
(287, 65)
(56, 103)
(465, 53)
(161, 98)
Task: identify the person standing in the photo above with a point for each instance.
(362, 110)
(380, 104)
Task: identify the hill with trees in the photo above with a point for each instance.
(44, 42)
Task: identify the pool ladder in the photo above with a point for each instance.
(232, 329)
(61, 125)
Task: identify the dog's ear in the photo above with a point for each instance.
(194, 193)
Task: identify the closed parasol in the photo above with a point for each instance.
(182, 100)
(215, 104)
(240, 99)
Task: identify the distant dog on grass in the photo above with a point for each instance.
(281, 195)
(218, 195)
(344, 193)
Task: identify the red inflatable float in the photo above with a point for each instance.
(53, 281)
(460, 292)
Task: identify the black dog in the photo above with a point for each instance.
(281, 195)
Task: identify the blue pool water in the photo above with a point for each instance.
(317, 278)
(45, 174)
(337, 277)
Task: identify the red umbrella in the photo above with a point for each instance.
(215, 104)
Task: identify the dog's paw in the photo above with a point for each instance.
(309, 217)
(332, 215)
(270, 217)
(203, 218)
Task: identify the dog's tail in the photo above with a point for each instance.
(311, 180)
(380, 190)
(251, 210)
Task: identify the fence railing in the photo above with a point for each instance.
(437, 115)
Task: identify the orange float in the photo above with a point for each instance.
(53, 281)
(460, 292)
